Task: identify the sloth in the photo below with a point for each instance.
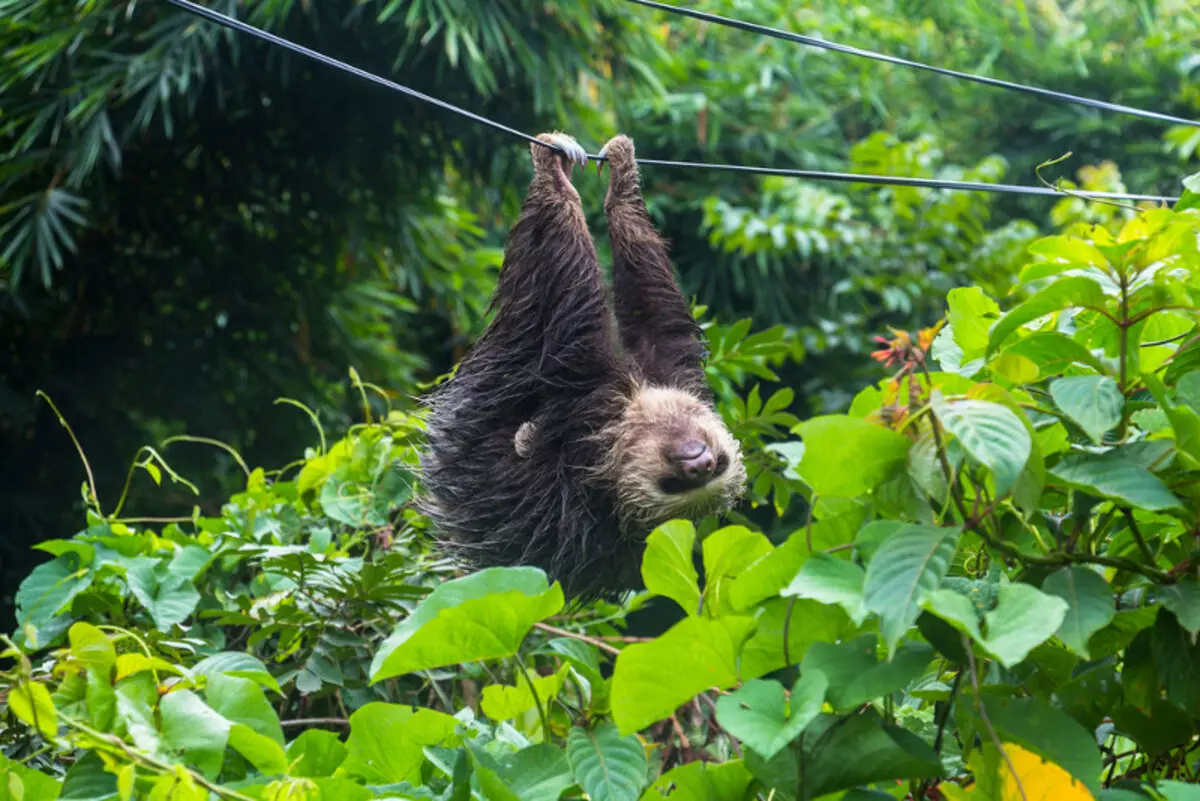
(574, 426)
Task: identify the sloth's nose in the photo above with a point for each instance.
(696, 460)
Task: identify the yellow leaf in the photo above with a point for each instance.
(995, 780)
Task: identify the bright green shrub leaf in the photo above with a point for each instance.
(651, 679)
(30, 701)
(538, 773)
(770, 574)
(608, 766)
(1183, 598)
(847, 456)
(265, 754)
(49, 589)
(727, 552)
(315, 754)
(34, 785)
(805, 623)
(1015, 368)
(1094, 402)
(191, 728)
(907, 566)
(1053, 352)
(830, 580)
(842, 753)
(1089, 601)
(387, 741)
(1120, 632)
(481, 616)
(703, 781)
(855, 675)
(1065, 293)
(759, 715)
(236, 663)
(101, 699)
(1024, 618)
(502, 702)
(1068, 250)
(1115, 477)
(242, 701)
(1170, 789)
(991, 433)
(970, 313)
(89, 780)
(667, 567)
(92, 647)
(1187, 390)
(135, 712)
(955, 609)
(1049, 732)
(170, 599)
(132, 664)
(490, 775)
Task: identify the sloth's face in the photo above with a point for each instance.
(672, 457)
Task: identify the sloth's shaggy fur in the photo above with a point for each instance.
(560, 440)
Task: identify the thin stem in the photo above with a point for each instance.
(79, 448)
(603, 646)
(984, 716)
(787, 625)
(315, 722)
(536, 699)
(1137, 535)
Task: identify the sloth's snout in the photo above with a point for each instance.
(696, 460)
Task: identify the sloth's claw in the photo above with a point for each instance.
(567, 144)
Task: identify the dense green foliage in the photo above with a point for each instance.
(995, 595)
(974, 577)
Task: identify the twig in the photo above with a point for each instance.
(315, 722)
(983, 716)
(577, 636)
(536, 699)
(1137, 535)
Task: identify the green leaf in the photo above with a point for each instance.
(50, 588)
(315, 754)
(854, 674)
(1094, 402)
(387, 741)
(787, 628)
(971, 312)
(1015, 368)
(92, 647)
(727, 552)
(1064, 293)
(1170, 789)
(859, 749)
(830, 580)
(1187, 390)
(1183, 599)
(1115, 477)
(759, 715)
(667, 567)
(608, 766)
(265, 754)
(34, 785)
(1053, 352)
(652, 679)
(236, 663)
(502, 702)
(1089, 602)
(484, 615)
(1049, 732)
(1177, 661)
(770, 574)
(1024, 618)
(908, 565)
(170, 599)
(703, 781)
(847, 456)
(242, 701)
(991, 433)
(538, 773)
(191, 728)
(30, 701)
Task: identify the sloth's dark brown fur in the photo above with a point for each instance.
(564, 439)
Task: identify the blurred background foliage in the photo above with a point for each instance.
(193, 224)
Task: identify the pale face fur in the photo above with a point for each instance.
(639, 468)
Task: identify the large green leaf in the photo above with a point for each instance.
(1094, 402)
(651, 679)
(169, 597)
(847, 456)
(387, 741)
(1090, 605)
(25, 784)
(667, 567)
(1053, 352)
(1116, 477)
(1183, 598)
(907, 566)
(728, 552)
(1063, 293)
(830, 580)
(192, 729)
(240, 700)
(855, 675)
(970, 313)
(540, 772)
(482, 616)
(842, 753)
(315, 754)
(607, 765)
(1049, 732)
(703, 781)
(991, 432)
(759, 715)
(1023, 619)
